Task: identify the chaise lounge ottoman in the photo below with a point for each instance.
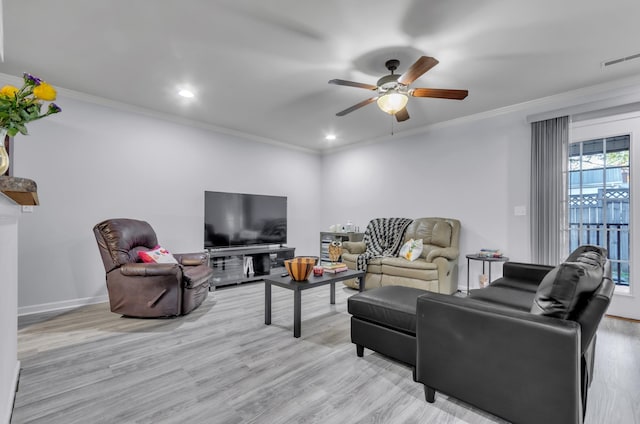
(384, 320)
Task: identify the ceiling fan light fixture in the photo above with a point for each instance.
(392, 91)
(392, 102)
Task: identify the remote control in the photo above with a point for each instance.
(284, 274)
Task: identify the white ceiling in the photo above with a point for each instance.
(261, 67)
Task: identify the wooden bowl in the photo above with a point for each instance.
(299, 268)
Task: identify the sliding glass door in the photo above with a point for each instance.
(599, 199)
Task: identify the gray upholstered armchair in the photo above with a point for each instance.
(141, 289)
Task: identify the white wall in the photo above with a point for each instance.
(476, 169)
(93, 162)
(476, 172)
(9, 365)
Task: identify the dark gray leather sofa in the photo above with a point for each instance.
(522, 348)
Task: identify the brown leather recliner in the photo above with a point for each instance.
(139, 289)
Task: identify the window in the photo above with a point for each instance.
(598, 185)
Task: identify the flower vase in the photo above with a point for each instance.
(4, 155)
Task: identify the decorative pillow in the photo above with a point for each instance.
(158, 255)
(565, 286)
(411, 250)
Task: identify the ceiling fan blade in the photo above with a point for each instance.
(402, 115)
(358, 106)
(439, 93)
(416, 70)
(353, 84)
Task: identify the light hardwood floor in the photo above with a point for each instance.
(221, 364)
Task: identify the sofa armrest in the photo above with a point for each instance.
(138, 269)
(354, 247)
(450, 253)
(197, 275)
(191, 259)
(525, 271)
(522, 367)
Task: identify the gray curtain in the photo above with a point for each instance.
(549, 147)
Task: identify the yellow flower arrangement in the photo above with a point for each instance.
(9, 91)
(18, 106)
(44, 91)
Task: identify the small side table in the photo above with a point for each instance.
(475, 257)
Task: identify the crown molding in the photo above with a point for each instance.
(125, 107)
(586, 99)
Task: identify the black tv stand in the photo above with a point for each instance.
(228, 264)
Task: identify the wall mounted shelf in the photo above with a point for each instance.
(23, 191)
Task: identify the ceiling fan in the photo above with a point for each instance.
(393, 90)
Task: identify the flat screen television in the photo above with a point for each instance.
(241, 220)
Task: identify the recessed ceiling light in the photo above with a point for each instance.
(186, 93)
(330, 137)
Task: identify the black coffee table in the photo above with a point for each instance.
(298, 286)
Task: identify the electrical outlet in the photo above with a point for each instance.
(27, 208)
(520, 210)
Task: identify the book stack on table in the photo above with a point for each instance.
(335, 267)
(490, 253)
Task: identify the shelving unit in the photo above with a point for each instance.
(327, 237)
(228, 264)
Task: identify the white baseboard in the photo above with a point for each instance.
(57, 306)
(12, 394)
